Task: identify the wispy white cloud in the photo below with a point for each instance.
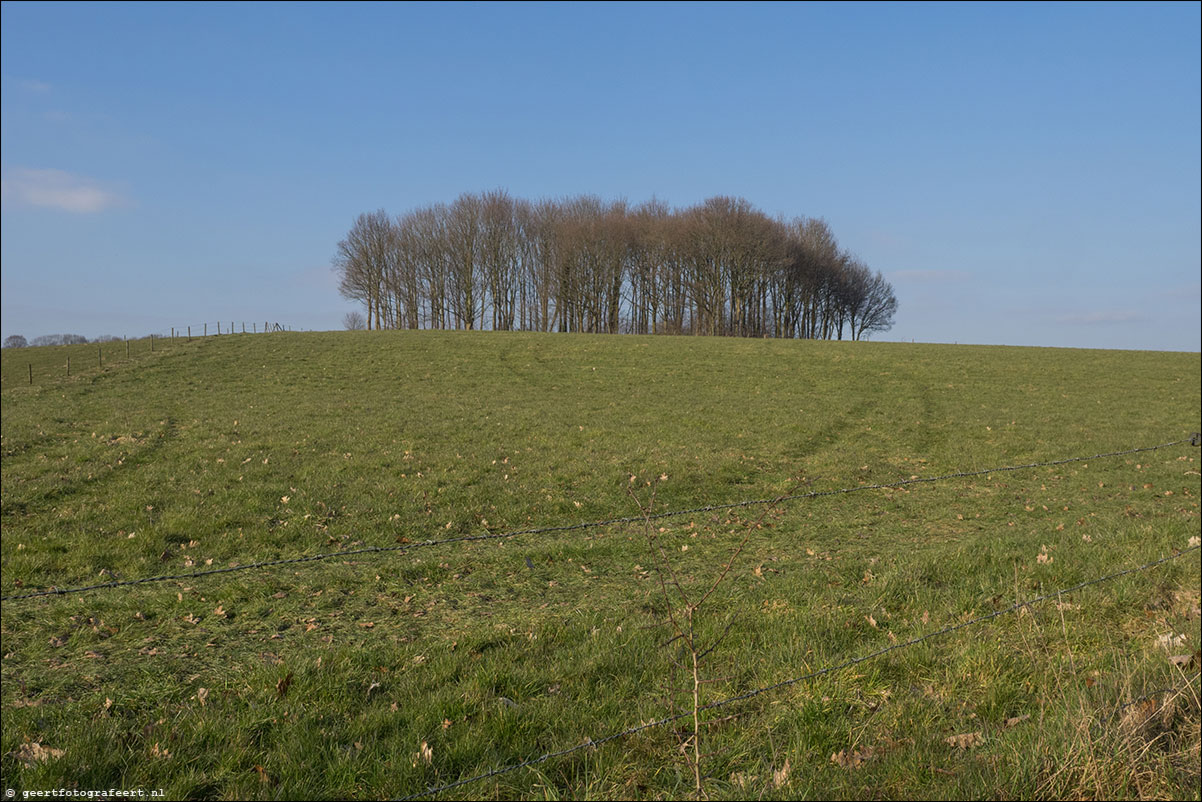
(929, 276)
(55, 189)
(1101, 317)
(33, 85)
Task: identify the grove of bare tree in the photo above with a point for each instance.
(722, 267)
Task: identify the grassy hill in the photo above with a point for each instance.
(403, 666)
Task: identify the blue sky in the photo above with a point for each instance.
(1022, 174)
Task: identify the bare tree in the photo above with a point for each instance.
(876, 313)
(582, 261)
(361, 263)
(59, 339)
(616, 240)
(704, 254)
(463, 244)
(524, 223)
(807, 278)
(354, 321)
(426, 232)
(648, 257)
(673, 276)
(405, 278)
(499, 256)
(15, 341)
(542, 230)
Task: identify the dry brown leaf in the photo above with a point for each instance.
(854, 758)
(742, 781)
(201, 695)
(1138, 713)
(779, 778)
(966, 740)
(1016, 720)
(1171, 641)
(1186, 660)
(281, 687)
(33, 753)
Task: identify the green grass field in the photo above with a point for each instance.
(379, 675)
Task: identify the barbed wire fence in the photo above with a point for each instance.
(223, 327)
(366, 550)
(81, 354)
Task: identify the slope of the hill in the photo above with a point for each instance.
(333, 677)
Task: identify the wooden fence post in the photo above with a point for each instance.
(152, 343)
(206, 329)
(99, 357)
(31, 373)
(68, 366)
